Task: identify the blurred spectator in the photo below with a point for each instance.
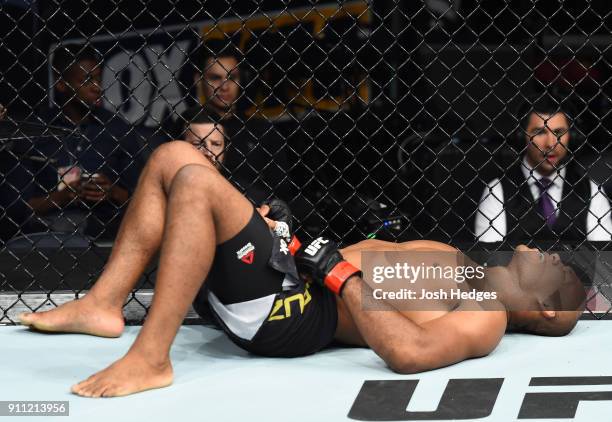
(204, 129)
(256, 154)
(81, 181)
(220, 78)
(546, 196)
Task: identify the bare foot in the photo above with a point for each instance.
(79, 316)
(130, 374)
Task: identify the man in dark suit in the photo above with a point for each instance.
(545, 196)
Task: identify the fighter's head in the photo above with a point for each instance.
(544, 295)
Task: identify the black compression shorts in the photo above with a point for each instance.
(261, 309)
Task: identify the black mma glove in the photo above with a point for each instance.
(284, 246)
(280, 212)
(321, 261)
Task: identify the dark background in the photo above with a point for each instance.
(444, 86)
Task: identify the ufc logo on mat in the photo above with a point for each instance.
(315, 246)
(474, 398)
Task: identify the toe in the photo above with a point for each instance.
(25, 318)
(80, 392)
(98, 390)
(83, 384)
(84, 388)
(90, 391)
(110, 391)
(78, 389)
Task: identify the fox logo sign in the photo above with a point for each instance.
(315, 246)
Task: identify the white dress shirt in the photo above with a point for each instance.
(490, 223)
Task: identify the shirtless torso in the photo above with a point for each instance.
(465, 318)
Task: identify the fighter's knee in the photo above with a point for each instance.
(171, 149)
(170, 157)
(177, 151)
(196, 175)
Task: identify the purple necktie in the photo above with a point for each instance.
(545, 204)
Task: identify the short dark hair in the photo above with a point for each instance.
(198, 115)
(215, 49)
(545, 103)
(68, 55)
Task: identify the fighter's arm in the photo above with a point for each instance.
(408, 347)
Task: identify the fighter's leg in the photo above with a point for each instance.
(100, 312)
(203, 211)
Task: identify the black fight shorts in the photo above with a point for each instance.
(263, 310)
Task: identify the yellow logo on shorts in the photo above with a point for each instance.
(285, 305)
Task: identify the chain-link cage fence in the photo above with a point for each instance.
(462, 122)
